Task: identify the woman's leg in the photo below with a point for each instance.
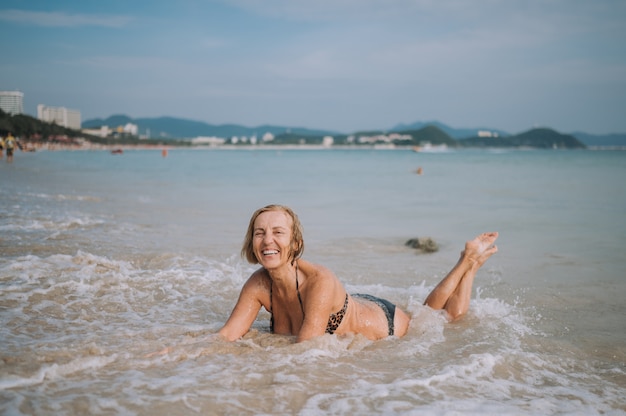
(453, 293)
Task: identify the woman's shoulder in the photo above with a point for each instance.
(313, 269)
(259, 279)
(318, 275)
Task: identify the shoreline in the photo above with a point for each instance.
(89, 146)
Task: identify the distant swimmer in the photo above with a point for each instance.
(307, 300)
(419, 171)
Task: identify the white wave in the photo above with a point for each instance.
(55, 371)
(62, 224)
(63, 197)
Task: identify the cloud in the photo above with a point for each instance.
(446, 42)
(61, 19)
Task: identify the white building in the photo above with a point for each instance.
(384, 138)
(487, 133)
(102, 131)
(211, 141)
(59, 115)
(12, 102)
(131, 129)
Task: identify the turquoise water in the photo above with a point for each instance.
(106, 258)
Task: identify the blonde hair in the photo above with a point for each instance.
(296, 246)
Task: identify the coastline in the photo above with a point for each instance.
(113, 147)
(90, 146)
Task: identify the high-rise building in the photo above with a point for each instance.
(59, 115)
(12, 102)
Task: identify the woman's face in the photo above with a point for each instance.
(271, 241)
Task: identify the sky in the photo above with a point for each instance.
(340, 65)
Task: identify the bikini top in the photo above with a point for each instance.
(334, 320)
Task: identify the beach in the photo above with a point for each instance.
(107, 258)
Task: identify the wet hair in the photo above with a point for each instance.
(296, 246)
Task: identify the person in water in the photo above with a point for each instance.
(307, 300)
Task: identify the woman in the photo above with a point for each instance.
(308, 300)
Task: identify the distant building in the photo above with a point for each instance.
(12, 102)
(211, 141)
(102, 131)
(129, 129)
(384, 138)
(60, 116)
(487, 133)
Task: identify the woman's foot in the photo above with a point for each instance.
(481, 248)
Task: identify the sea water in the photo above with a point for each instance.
(107, 258)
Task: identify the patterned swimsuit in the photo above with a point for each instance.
(334, 320)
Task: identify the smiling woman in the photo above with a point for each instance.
(308, 300)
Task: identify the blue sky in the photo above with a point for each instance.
(342, 65)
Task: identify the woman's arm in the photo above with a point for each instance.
(241, 318)
(246, 309)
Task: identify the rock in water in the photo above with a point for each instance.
(425, 244)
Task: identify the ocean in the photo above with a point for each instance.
(107, 258)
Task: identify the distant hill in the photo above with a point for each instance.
(591, 140)
(430, 134)
(30, 130)
(604, 140)
(178, 128)
(450, 131)
(535, 138)
(542, 138)
(26, 127)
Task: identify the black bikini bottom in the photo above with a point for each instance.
(387, 307)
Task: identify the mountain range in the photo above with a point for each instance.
(179, 128)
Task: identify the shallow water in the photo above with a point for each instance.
(107, 258)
